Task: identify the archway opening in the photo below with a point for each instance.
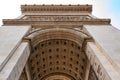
(57, 56)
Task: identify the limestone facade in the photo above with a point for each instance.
(59, 42)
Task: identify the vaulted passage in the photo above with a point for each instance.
(58, 57)
(59, 42)
(57, 54)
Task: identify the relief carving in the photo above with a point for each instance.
(58, 18)
(99, 69)
(92, 75)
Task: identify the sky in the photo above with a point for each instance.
(10, 9)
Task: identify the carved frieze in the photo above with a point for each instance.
(100, 64)
(56, 8)
(58, 18)
(92, 75)
(58, 21)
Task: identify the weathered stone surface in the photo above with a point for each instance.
(57, 56)
(61, 47)
(10, 38)
(16, 63)
(107, 38)
(56, 8)
(58, 77)
(102, 67)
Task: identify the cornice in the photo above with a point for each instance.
(56, 8)
(30, 22)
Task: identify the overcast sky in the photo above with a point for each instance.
(101, 8)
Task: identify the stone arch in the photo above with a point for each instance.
(56, 75)
(57, 50)
(72, 34)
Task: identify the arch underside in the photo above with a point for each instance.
(57, 52)
(57, 33)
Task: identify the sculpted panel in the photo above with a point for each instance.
(58, 18)
(92, 75)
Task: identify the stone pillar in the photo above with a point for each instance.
(27, 70)
(87, 70)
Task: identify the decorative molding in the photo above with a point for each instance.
(52, 33)
(57, 22)
(56, 8)
(101, 66)
(57, 18)
(92, 75)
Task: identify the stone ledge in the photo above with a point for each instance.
(101, 65)
(16, 63)
(56, 8)
(10, 39)
(107, 39)
(57, 22)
